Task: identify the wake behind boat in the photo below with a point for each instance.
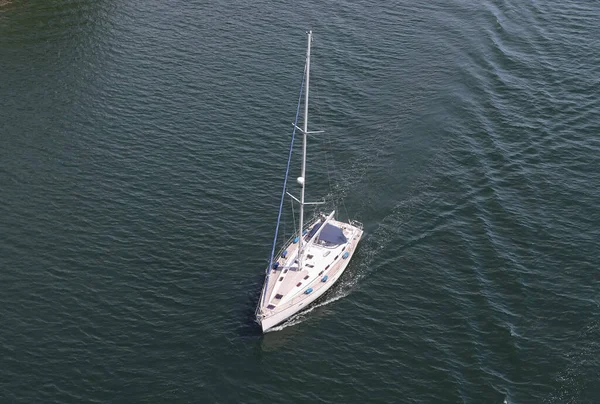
(314, 258)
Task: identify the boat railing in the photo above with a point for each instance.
(356, 223)
(285, 245)
(289, 240)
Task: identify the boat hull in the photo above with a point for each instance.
(268, 322)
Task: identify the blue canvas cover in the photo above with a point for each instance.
(332, 235)
(314, 230)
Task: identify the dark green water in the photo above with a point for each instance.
(142, 148)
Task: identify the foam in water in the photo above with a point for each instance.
(572, 381)
(301, 317)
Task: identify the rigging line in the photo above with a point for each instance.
(327, 165)
(325, 148)
(327, 144)
(285, 223)
(327, 168)
(317, 100)
(287, 171)
(339, 179)
(320, 123)
(293, 212)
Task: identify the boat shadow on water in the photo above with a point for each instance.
(248, 326)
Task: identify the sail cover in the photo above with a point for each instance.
(314, 230)
(332, 235)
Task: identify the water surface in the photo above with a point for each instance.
(142, 149)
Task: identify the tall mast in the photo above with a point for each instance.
(302, 179)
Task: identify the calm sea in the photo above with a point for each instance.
(142, 153)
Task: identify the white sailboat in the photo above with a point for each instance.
(312, 261)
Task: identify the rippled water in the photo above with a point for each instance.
(142, 147)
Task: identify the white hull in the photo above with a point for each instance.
(284, 293)
(270, 322)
